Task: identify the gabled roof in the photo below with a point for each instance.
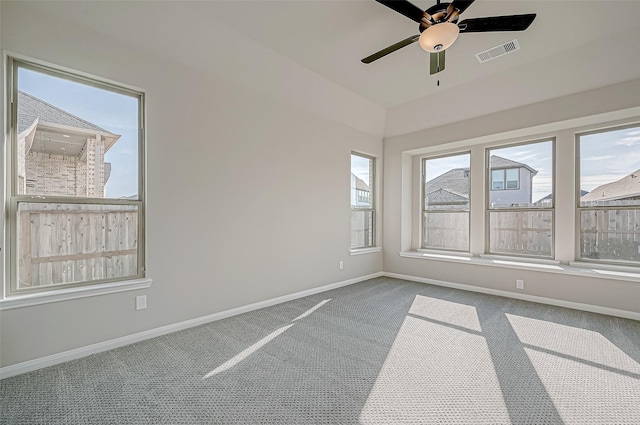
(453, 181)
(30, 108)
(443, 196)
(360, 184)
(500, 162)
(626, 187)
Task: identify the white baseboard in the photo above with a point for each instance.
(42, 362)
(533, 298)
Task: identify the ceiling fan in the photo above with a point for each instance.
(439, 27)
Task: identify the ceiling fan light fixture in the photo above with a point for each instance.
(439, 37)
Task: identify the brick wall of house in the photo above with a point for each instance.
(64, 175)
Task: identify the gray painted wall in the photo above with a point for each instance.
(230, 221)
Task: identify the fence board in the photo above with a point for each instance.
(65, 243)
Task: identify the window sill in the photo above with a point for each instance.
(549, 266)
(360, 251)
(19, 301)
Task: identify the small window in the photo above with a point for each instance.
(502, 179)
(513, 178)
(445, 212)
(520, 200)
(75, 186)
(362, 201)
(497, 179)
(609, 197)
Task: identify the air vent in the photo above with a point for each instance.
(496, 52)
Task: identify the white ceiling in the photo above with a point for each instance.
(330, 38)
(571, 46)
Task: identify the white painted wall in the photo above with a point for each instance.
(560, 117)
(233, 154)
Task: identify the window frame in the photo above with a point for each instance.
(487, 193)
(373, 197)
(423, 209)
(12, 198)
(578, 208)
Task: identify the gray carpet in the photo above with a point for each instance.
(384, 351)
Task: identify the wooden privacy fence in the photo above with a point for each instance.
(67, 243)
(612, 234)
(522, 232)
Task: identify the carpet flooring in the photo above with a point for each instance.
(383, 351)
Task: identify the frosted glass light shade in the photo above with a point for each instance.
(439, 37)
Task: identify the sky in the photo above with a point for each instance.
(115, 112)
(360, 167)
(604, 158)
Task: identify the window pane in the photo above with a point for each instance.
(610, 168)
(610, 234)
(446, 230)
(361, 229)
(70, 243)
(75, 139)
(529, 176)
(521, 232)
(447, 182)
(513, 178)
(361, 182)
(497, 179)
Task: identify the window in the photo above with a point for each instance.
(362, 201)
(609, 197)
(510, 176)
(75, 180)
(445, 206)
(520, 200)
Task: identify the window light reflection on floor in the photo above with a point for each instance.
(578, 367)
(438, 366)
(255, 347)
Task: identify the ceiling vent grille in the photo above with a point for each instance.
(496, 52)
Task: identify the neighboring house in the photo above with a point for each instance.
(360, 192)
(449, 190)
(627, 188)
(59, 153)
(511, 183)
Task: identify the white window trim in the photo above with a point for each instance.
(18, 301)
(368, 250)
(83, 289)
(488, 189)
(580, 261)
(423, 164)
(526, 264)
(374, 204)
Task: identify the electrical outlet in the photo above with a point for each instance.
(519, 284)
(341, 265)
(141, 302)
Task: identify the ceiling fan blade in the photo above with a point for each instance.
(461, 5)
(497, 23)
(436, 62)
(405, 8)
(391, 49)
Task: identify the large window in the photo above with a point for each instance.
(362, 201)
(75, 185)
(520, 199)
(445, 206)
(609, 197)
